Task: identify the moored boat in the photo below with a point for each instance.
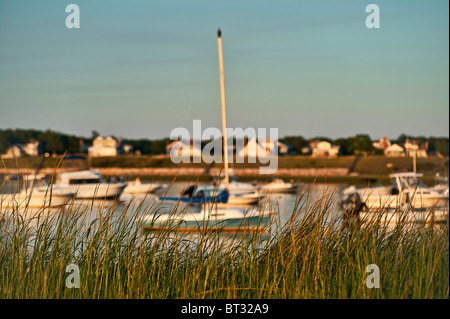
(277, 185)
(137, 187)
(209, 218)
(407, 190)
(36, 193)
(87, 184)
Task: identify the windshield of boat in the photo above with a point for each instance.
(38, 183)
(411, 181)
(79, 181)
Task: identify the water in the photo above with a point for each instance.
(93, 212)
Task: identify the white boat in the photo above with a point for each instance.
(235, 186)
(137, 187)
(36, 193)
(208, 218)
(277, 185)
(238, 187)
(241, 193)
(407, 190)
(236, 198)
(244, 199)
(87, 184)
(417, 216)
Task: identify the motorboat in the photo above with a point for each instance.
(441, 184)
(137, 187)
(407, 191)
(419, 195)
(277, 185)
(88, 184)
(36, 193)
(416, 216)
(238, 187)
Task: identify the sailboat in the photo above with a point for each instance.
(211, 216)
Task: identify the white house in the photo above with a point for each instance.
(259, 148)
(184, 149)
(105, 146)
(324, 149)
(13, 152)
(127, 148)
(31, 149)
(413, 148)
(394, 150)
(382, 144)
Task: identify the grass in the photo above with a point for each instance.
(316, 255)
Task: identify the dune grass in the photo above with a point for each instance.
(315, 255)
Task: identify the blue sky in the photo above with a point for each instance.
(138, 69)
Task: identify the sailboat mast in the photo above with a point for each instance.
(224, 113)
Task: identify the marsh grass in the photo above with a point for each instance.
(315, 254)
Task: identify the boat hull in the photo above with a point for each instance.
(252, 223)
(137, 188)
(244, 199)
(406, 217)
(279, 189)
(98, 191)
(35, 200)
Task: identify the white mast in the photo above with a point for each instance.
(224, 114)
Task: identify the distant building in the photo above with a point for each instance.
(262, 148)
(13, 152)
(127, 148)
(285, 148)
(306, 150)
(394, 150)
(413, 148)
(189, 148)
(324, 149)
(105, 146)
(382, 144)
(31, 148)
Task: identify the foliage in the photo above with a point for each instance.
(317, 254)
(54, 142)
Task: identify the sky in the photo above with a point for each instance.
(138, 69)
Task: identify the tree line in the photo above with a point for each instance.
(362, 143)
(59, 143)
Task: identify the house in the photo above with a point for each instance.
(324, 149)
(31, 148)
(306, 150)
(262, 148)
(285, 148)
(394, 150)
(413, 148)
(127, 148)
(13, 152)
(190, 148)
(382, 144)
(105, 146)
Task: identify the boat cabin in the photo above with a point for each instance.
(403, 181)
(80, 178)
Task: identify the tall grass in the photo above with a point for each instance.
(315, 255)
